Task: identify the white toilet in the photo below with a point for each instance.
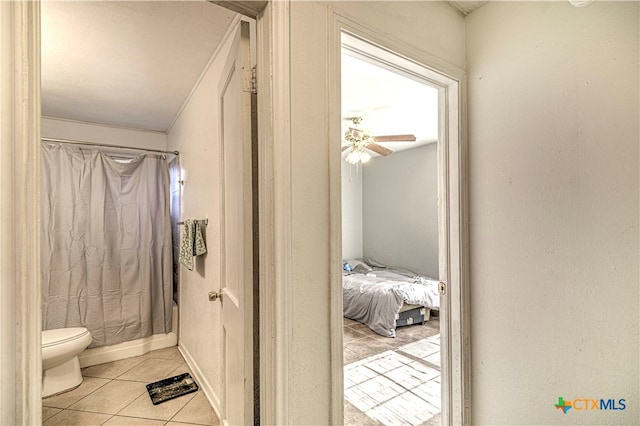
(60, 365)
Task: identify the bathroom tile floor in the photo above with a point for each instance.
(392, 381)
(115, 394)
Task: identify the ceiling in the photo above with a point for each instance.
(388, 102)
(133, 64)
(126, 64)
(466, 6)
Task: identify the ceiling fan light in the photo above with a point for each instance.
(353, 157)
(364, 157)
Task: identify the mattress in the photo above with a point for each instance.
(378, 296)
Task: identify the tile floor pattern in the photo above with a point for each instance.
(114, 394)
(392, 381)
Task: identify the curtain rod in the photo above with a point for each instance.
(107, 145)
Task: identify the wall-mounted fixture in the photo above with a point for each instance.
(580, 3)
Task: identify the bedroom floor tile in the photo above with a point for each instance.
(386, 361)
(408, 377)
(381, 389)
(351, 334)
(369, 346)
(429, 391)
(421, 348)
(406, 409)
(348, 321)
(433, 421)
(434, 359)
(405, 387)
(355, 417)
(357, 373)
(358, 326)
(350, 356)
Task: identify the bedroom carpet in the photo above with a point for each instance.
(392, 381)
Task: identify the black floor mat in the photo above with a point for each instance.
(170, 388)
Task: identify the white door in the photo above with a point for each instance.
(236, 233)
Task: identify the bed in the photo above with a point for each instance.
(384, 297)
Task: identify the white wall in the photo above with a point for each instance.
(351, 210)
(400, 204)
(553, 150)
(196, 135)
(429, 27)
(89, 132)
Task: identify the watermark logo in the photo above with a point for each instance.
(582, 404)
(563, 405)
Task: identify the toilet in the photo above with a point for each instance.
(60, 365)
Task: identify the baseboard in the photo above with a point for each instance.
(95, 356)
(201, 380)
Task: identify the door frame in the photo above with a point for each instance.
(20, 340)
(20, 322)
(453, 229)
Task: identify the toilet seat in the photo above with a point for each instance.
(62, 335)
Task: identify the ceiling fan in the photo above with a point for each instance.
(359, 141)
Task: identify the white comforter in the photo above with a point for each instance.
(376, 298)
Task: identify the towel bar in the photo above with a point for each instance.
(202, 222)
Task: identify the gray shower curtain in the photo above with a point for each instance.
(106, 244)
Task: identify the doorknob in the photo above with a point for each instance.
(215, 295)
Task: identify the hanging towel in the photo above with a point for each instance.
(199, 247)
(186, 244)
(192, 243)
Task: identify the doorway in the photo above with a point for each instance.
(424, 367)
(194, 127)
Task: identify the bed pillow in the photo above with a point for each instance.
(374, 263)
(358, 266)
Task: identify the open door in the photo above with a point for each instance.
(235, 95)
(440, 387)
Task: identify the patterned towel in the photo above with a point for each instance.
(192, 243)
(199, 247)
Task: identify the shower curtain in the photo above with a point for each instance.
(106, 244)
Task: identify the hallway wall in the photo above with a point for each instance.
(196, 135)
(92, 132)
(400, 210)
(553, 150)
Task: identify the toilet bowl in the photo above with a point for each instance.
(60, 365)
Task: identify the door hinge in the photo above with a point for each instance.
(442, 288)
(254, 84)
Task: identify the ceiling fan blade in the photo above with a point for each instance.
(344, 147)
(379, 149)
(394, 138)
